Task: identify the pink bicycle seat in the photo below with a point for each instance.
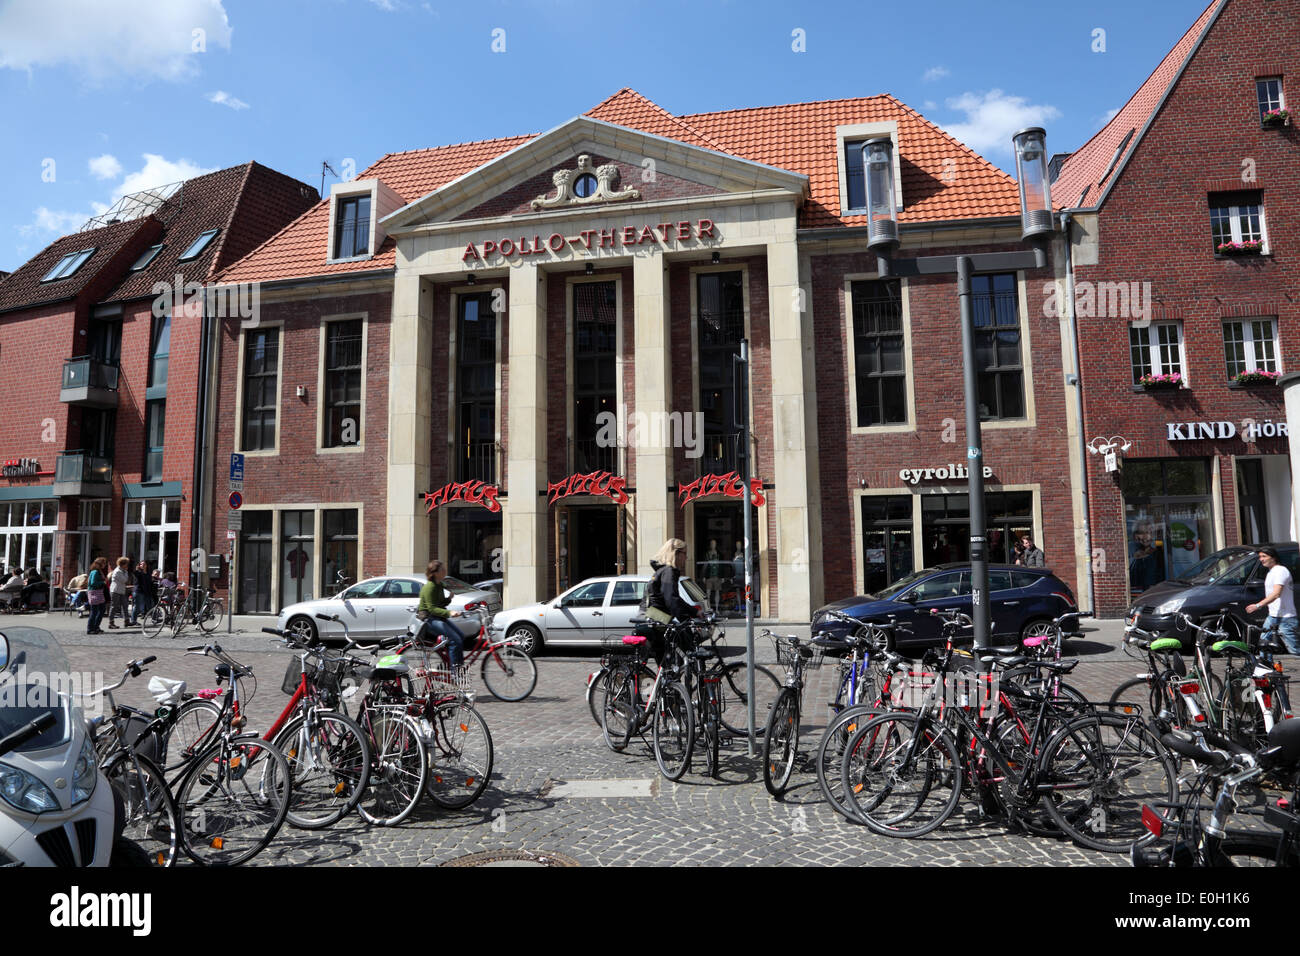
(208, 693)
(634, 639)
(1035, 641)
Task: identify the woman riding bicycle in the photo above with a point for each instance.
(662, 593)
(434, 599)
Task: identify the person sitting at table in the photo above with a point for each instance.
(12, 591)
(34, 585)
(77, 588)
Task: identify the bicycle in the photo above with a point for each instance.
(667, 709)
(1172, 698)
(1254, 697)
(781, 736)
(508, 673)
(199, 608)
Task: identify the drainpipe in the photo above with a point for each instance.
(1066, 223)
(200, 450)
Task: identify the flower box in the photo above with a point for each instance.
(1277, 118)
(1257, 378)
(1153, 383)
(1251, 248)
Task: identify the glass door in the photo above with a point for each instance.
(255, 563)
(1251, 501)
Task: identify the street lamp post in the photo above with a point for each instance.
(1037, 223)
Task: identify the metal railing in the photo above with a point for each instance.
(589, 454)
(477, 461)
(87, 372)
(720, 453)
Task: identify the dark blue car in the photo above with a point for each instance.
(1024, 601)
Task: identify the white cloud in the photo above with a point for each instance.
(1107, 117)
(105, 167)
(992, 117)
(99, 39)
(225, 99)
(52, 222)
(935, 73)
(158, 171)
(388, 6)
(929, 105)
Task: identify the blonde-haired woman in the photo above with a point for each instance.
(663, 593)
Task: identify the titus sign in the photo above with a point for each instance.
(474, 492)
(728, 484)
(663, 232)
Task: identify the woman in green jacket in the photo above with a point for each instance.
(434, 599)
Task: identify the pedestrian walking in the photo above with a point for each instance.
(146, 593)
(1279, 599)
(1032, 556)
(117, 584)
(97, 594)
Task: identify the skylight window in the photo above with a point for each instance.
(147, 257)
(198, 245)
(1119, 151)
(69, 264)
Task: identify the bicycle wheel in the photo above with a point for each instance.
(210, 615)
(1029, 814)
(830, 755)
(330, 763)
(460, 755)
(195, 726)
(735, 698)
(233, 800)
(180, 617)
(619, 708)
(1097, 773)
(1244, 851)
(509, 673)
(781, 742)
(152, 828)
(155, 620)
(711, 719)
(596, 694)
(674, 731)
(399, 766)
(898, 789)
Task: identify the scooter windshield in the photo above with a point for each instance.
(36, 680)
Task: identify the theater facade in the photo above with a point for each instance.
(521, 355)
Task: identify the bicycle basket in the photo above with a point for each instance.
(292, 675)
(812, 655)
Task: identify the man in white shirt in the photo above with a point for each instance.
(1280, 600)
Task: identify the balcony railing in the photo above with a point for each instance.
(589, 454)
(720, 454)
(78, 472)
(477, 461)
(89, 382)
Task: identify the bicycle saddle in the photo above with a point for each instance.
(1061, 667)
(1285, 736)
(830, 642)
(1008, 660)
(632, 640)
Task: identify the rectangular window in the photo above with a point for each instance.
(147, 257)
(343, 383)
(1268, 92)
(196, 247)
(1236, 218)
(720, 299)
(1250, 345)
(155, 430)
(297, 547)
(1156, 349)
(945, 525)
(68, 265)
(595, 315)
(886, 540)
(254, 563)
(352, 227)
(878, 353)
(476, 389)
(159, 348)
(855, 176)
(261, 372)
(1169, 518)
(339, 566)
(995, 307)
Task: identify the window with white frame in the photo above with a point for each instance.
(855, 179)
(1250, 345)
(1237, 218)
(352, 227)
(1268, 92)
(1156, 349)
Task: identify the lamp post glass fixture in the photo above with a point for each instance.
(1037, 224)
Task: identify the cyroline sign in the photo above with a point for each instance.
(728, 484)
(587, 239)
(597, 483)
(475, 492)
(949, 472)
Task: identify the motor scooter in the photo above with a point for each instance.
(56, 807)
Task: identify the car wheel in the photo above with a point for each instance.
(1038, 627)
(528, 638)
(304, 628)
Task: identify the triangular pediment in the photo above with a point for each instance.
(626, 167)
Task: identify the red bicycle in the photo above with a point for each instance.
(508, 672)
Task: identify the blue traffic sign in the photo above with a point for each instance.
(236, 467)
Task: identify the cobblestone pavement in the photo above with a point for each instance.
(635, 817)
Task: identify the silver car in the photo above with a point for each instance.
(381, 607)
(586, 613)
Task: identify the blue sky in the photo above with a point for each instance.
(103, 97)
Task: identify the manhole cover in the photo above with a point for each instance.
(512, 858)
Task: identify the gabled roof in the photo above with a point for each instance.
(24, 288)
(942, 179)
(1087, 175)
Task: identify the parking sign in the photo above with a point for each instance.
(236, 467)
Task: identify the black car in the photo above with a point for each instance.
(1226, 581)
(1023, 603)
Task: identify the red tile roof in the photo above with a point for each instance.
(24, 288)
(1080, 184)
(941, 178)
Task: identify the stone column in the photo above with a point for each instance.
(410, 407)
(653, 464)
(525, 510)
(791, 338)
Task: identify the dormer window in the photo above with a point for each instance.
(198, 245)
(849, 140)
(352, 227)
(69, 264)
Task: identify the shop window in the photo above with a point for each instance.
(1168, 517)
(475, 443)
(1237, 218)
(297, 550)
(887, 546)
(152, 533)
(261, 393)
(340, 565)
(1156, 349)
(881, 377)
(995, 308)
(254, 562)
(474, 544)
(945, 526)
(1250, 346)
(352, 227)
(595, 315)
(343, 383)
(27, 534)
(1268, 94)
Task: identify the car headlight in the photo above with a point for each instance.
(24, 792)
(85, 773)
(1172, 605)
